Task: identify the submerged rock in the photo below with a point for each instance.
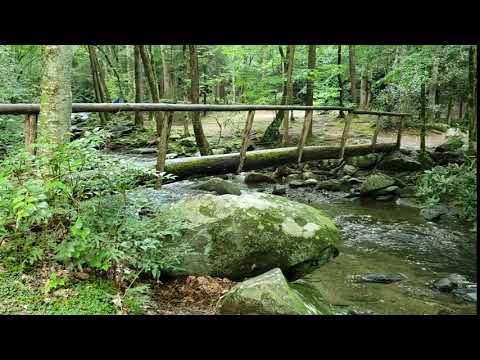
(220, 187)
(434, 212)
(266, 294)
(279, 190)
(255, 178)
(450, 282)
(380, 278)
(246, 235)
(330, 185)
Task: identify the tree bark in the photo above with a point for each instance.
(30, 132)
(131, 72)
(200, 138)
(291, 56)
(139, 87)
(423, 120)
(56, 97)
(364, 89)
(340, 82)
(471, 102)
(245, 140)
(312, 52)
(353, 74)
(449, 109)
(98, 83)
(432, 94)
(260, 159)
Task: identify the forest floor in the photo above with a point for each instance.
(327, 128)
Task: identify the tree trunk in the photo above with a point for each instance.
(423, 120)
(364, 89)
(449, 109)
(167, 81)
(260, 159)
(353, 74)
(131, 72)
(460, 109)
(200, 138)
(432, 94)
(291, 56)
(272, 132)
(56, 97)
(312, 52)
(471, 102)
(340, 83)
(139, 87)
(30, 132)
(98, 83)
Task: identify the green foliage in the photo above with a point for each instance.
(45, 211)
(453, 183)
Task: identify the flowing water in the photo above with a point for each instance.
(378, 237)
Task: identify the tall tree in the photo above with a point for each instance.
(289, 100)
(312, 57)
(353, 74)
(56, 97)
(423, 129)
(139, 86)
(131, 72)
(101, 91)
(432, 94)
(472, 117)
(200, 138)
(340, 82)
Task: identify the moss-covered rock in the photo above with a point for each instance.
(246, 235)
(399, 162)
(255, 178)
(376, 182)
(220, 186)
(363, 162)
(266, 294)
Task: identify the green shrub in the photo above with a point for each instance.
(453, 183)
(45, 211)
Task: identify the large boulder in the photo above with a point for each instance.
(376, 182)
(246, 235)
(266, 294)
(399, 162)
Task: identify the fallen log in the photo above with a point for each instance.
(259, 159)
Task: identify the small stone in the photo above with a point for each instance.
(380, 278)
(279, 190)
(171, 156)
(435, 212)
(255, 178)
(81, 275)
(311, 182)
(296, 183)
(349, 169)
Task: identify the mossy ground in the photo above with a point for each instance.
(23, 293)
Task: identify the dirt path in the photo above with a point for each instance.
(327, 128)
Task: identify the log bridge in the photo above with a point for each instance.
(215, 164)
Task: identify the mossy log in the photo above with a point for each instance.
(259, 159)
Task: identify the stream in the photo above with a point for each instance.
(378, 237)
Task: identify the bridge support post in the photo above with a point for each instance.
(303, 137)
(245, 140)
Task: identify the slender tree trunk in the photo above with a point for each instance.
(200, 138)
(449, 109)
(312, 52)
(364, 89)
(460, 109)
(131, 71)
(432, 94)
(168, 89)
(99, 85)
(353, 74)
(423, 120)
(56, 97)
(471, 101)
(139, 87)
(291, 57)
(340, 83)
(272, 132)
